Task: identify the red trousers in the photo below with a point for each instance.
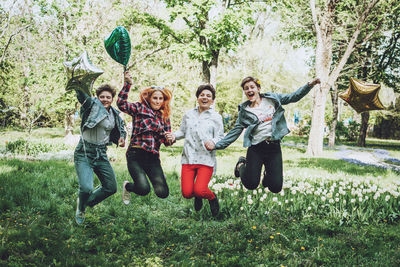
(195, 179)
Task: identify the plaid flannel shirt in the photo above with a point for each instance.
(148, 126)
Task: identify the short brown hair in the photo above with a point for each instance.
(106, 87)
(205, 87)
(250, 79)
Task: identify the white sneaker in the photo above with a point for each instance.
(126, 196)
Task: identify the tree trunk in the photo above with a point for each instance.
(363, 129)
(324, 23)
(206, 75)
(214, 68)
(335, 112)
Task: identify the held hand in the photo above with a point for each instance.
(314, 82)
(209, 145)
(127, 77)
(170, 137)
(121, 142)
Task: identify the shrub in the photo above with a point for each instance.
(18, 147)
(349, 133)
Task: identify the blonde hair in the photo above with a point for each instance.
(165, 109)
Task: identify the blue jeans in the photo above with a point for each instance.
(88, 159)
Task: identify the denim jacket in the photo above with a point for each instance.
(249, 120)
(92, 112)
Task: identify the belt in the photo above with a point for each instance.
(86, 143)
(272, 141)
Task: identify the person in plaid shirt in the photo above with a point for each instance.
(150, 127)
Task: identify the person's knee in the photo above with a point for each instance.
(200, 192)
(275, 188)
(187, 194)
(161, 192)
(86, 189)
(250, 186)
(142, 189)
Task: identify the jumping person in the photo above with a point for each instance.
(100, 126)
(200, 127)
(263, 116)
(150, 128)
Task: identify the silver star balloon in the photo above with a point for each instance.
(81, 73)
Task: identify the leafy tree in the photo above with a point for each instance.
(329, 25)
(200, 28)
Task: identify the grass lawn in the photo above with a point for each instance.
(330, 213)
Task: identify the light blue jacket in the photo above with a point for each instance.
(249, 120)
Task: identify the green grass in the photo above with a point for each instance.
(37, 227)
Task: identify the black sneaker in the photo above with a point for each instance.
(241, 161)
(198, 203)
(214, 206)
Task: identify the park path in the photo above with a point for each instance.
(379, 158)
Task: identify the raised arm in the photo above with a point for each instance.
(299, 93)
(83, 98)
(122, 101)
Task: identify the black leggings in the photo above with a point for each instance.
(270, 155)
(140, 164)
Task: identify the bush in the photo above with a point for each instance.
(18, 147)
(349, 133)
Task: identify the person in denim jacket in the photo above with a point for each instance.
(101, 126)
(263, 116)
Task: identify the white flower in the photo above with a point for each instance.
(279, 203)
(337, 199)
(352, 200)
(360, 199)
(282, 193)
(344, 201)
(255, 192)
(293, 191)
(250, 201)
(387, 198)
(259, 190)
(309, 208)
(274, 199)
(286, 201)
(241, 208)
(331, 200)
(323, 198)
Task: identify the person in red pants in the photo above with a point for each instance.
(201, 127)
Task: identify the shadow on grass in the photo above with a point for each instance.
(337, 165)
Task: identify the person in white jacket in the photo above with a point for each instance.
(201, 127)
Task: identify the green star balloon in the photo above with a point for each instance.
(81, 73)
(118, 45)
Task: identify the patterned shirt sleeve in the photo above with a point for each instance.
(182, 129)
(122, 101)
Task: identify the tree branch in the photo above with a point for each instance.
(335, 73)
(9, 41)
(146, 56)
(315, 19)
